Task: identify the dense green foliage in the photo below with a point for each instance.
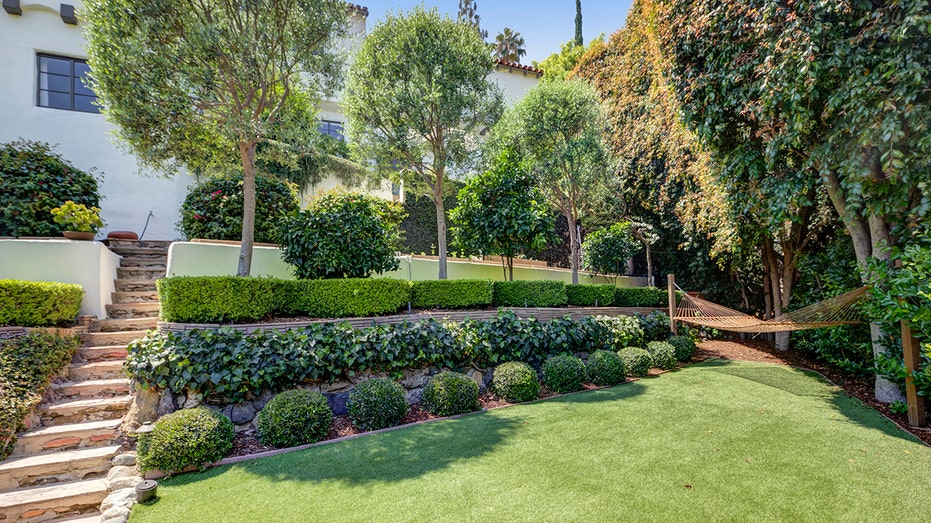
(684, 347)
(377, 403)
(662, 354)
(449, 394)
(213, 208)
(563, 373)
(637, 361)
(77, 217)
(586, 295)
(38, 303)
(515, 382)
(523, 293)
(605, 368)
(419, 224)
(342, 235)
(641, 297)
(186, 438)
(607, 250)
(655, 326)
(294, 417)
(34, 179)
(452, 294)
(231, 299)
(230, 364)
(27, 364)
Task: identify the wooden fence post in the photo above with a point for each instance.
(671, 285)
(912, 354)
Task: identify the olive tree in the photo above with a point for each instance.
(418, 93)
(191, 83)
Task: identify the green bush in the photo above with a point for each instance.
(377, 403)
(27, 365)
(219, 299)
(451, 294)
(563, 373)
(186, 438)
(637, 361)
(38, 303)
(33, 180)
(590, 295)
(607, 250)
(213, 209)
(641, 297)
(449, 394)
(530, 294)
(655, 326)
(294, 417)
(605, 368)
(515, 382)
(342, 235)
(663, 354)
(684, 347)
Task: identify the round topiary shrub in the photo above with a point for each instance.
(684, 347)
(213, 209)
(663, 354)
(376, 404)
(605, 368)
(563, 373)
(515, 382)
(637, 361)
(34, 179)
(294, 417)
(186, 438)
(449, 394)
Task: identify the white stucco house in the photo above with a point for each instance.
(43, 98)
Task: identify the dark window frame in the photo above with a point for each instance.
(327, 127)
(71, 79)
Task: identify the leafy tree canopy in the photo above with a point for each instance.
(607, 250)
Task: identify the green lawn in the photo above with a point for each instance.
(714, 441)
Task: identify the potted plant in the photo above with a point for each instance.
(82, 222)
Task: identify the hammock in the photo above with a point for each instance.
(839, 310)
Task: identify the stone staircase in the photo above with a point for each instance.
(59, 467)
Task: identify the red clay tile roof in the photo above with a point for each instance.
(522, 67)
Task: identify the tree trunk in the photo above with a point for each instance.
(510, 268)
(440, 230)
(247, 154)
(649, 265)
(573, 248)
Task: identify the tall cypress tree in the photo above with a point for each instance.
(578, 23)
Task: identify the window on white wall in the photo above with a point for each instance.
(332, 129)
(62, 84)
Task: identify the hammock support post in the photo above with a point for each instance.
(671, 286)
(916, 404)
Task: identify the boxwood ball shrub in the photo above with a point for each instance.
(684, 347)
(605, 368)
(663, 354)
(34, 179)
(294, 417)
(377, 403)
(186, 438)
(515, 382)
(563, 373)
(449, 394)
(637, 361)
(213, 209)
(586, 295)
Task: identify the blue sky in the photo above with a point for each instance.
(544, 24)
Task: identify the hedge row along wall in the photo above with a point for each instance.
(38, 304)
(229, 299)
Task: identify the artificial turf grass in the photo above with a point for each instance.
(713, 441)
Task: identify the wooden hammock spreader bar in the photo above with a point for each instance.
(839, 310)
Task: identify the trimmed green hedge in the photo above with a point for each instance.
(643, 297)
(220, 299)
(27, 364)
(451, 294)
(530, 293)
(586, 295)
(38, 303)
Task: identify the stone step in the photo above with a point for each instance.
(162, 244)
(129, 251)
(135, 296)
(66, 465)
(104, 339)
(106, 352)
(133, 310)
(139, 273)
(123, 324)
(70, 436)
(153, 262)
(96, 370)
(91, 388)
(91, 517)
(84, 410)
(134, 285)
(54, 501)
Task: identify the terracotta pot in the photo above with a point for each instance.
(75, 235)
(122, 235)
